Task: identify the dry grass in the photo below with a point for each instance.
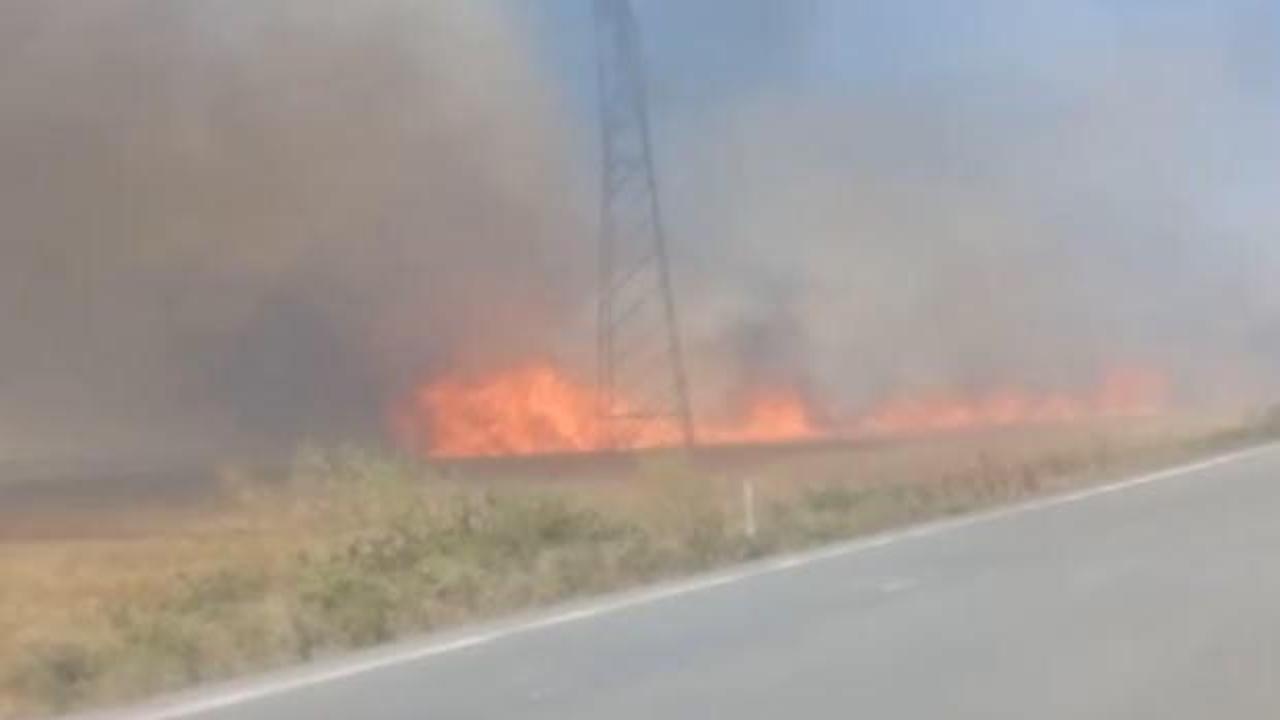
(356, 550)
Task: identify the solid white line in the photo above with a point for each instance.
(175, 709)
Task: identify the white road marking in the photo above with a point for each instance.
(308, 677)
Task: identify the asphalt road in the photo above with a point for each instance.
(1158, 600)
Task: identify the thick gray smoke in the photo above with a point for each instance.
(236, 224)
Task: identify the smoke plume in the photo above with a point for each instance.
(244, 223)
(1022, 196)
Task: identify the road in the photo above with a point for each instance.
(1160, 599)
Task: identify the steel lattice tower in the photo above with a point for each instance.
(640, 364)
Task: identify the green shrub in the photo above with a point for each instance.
(341, 606)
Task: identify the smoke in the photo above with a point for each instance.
(990, 203)
(241, 224)
(238, 224)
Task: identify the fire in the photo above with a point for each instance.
(946, 412)
(1125, 392)
(770, 416)
(531, 409)
(537, 408)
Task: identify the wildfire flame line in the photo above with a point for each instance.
(537, 408)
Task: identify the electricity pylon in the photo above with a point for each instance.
(642, 385)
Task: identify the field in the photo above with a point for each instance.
(104, 602)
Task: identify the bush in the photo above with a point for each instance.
(341, 606)
(360, 549)
(58, 675)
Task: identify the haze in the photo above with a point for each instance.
(241, 225)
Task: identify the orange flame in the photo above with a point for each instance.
(529, 409)
(776, 415)
(536, 408)
(1125, 392)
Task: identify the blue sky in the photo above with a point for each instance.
(700, 50)
(986, 72)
